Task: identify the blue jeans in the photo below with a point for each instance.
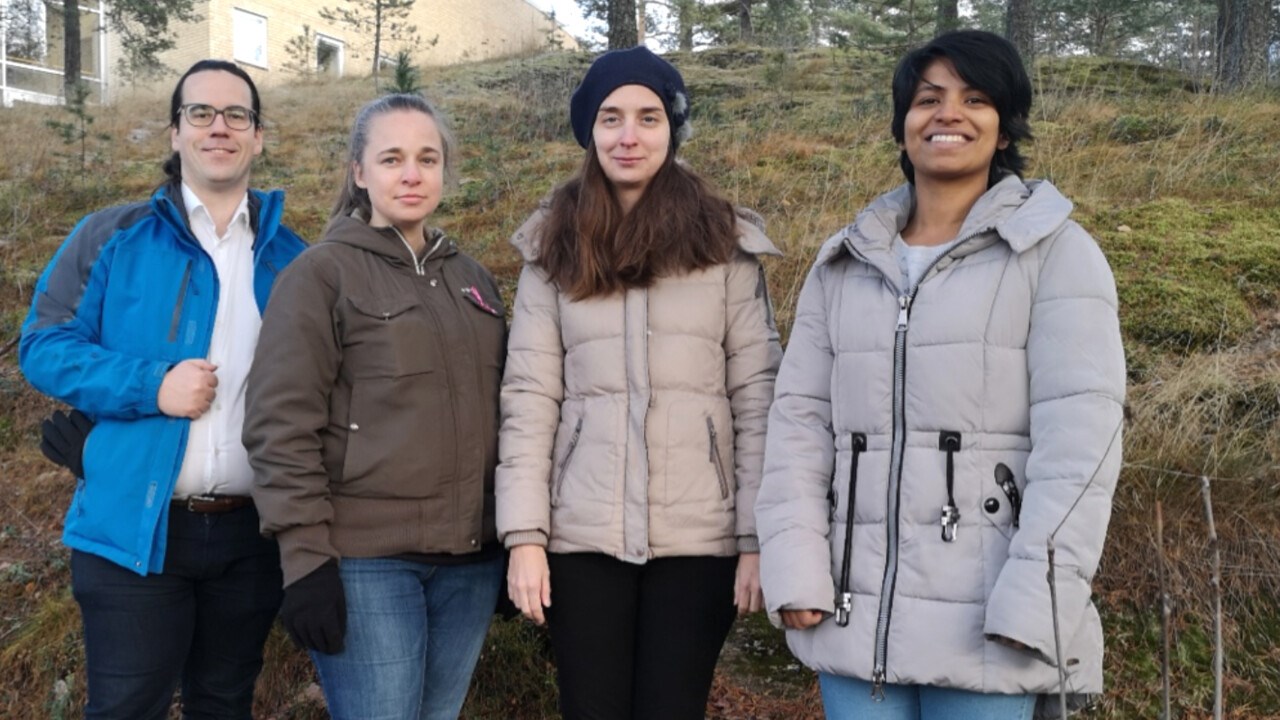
(846, 698)
(202, 621)
(414, 633)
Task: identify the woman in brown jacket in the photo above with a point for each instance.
(372, 429)
(638, 382)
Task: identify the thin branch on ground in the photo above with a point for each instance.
(1052, 577)
(1216, 582)
(1165, 612)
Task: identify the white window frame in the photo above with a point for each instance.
(340, 48)
(249, 37)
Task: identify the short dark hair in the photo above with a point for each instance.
(985, 61)
(173, 166)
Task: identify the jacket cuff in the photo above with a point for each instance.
(151, 388)
(1020, 606)
(302, 550)
(525, 537)
(748, 544)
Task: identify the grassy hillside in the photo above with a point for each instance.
(1179, 189)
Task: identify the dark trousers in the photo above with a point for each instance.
(203, 621)
(638, 642)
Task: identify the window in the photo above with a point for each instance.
(249, 37)
(23, 23)
(328, 56)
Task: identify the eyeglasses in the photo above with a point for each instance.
(201, 115)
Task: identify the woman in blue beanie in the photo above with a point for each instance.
(639, 374)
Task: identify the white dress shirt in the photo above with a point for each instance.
(215, 459)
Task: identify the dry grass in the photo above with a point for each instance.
(1178, 187)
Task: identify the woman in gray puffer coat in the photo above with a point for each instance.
(951, 398)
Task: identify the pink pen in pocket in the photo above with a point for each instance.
(472, 293)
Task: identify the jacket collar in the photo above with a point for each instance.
(1021, 214)
(265, 210)
(385, 242)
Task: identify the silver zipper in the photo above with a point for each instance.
(879, 672)
(715, 460)
(895, 489)
(564, 464)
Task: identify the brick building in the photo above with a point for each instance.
(274, 40)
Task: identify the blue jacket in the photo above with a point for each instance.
(128, 295)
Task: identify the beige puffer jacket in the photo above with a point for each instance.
(633, 425)
(995, 388)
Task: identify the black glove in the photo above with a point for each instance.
(315, 610)
(62, 439)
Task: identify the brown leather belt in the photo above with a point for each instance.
(212, 504)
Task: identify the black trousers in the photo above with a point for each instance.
(201, 622)
(638, 642)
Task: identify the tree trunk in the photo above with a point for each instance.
(1242, 36)
(746, 32)
(948, 17)
(1020, 28)
(684, 24)
(70, 46)
(622, 24)
(377, 40)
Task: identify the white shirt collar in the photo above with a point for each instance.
(193, 203)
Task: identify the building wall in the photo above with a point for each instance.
(463, 30)
(482, 29)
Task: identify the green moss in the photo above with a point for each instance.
(1109, 76)
(756, 653)
(1129, 129)
(1191, 277)
(1133, 669)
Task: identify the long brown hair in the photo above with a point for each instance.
(590, 248)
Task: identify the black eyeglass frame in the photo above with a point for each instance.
(251, 114)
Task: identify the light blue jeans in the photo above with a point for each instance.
(845, 698)
(414, 633)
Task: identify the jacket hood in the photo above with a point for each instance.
(751, 237)
(1020, 213)
(385, 241)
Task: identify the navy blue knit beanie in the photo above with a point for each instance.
(634, 66)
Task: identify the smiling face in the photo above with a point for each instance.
(951, 131)
(215, 159)
(402, 169)
(632, 138)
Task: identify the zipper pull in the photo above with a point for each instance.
(950, 518)
(904, 302)
(877, 685)
(844, 606)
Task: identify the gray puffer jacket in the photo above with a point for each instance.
(633, 425)
(963, 420)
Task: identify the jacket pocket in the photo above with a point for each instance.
(713, 440)
(1001, 500)
(564, 464)
(387, 337)
(177, 305)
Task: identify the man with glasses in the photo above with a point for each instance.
(146, 320)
